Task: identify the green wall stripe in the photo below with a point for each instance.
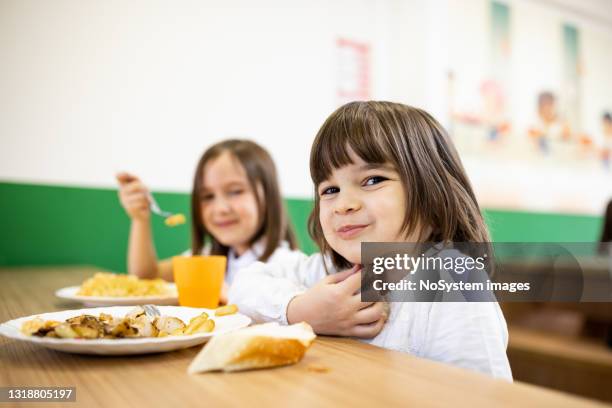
(57, 225)
(299, 210)
(514, 226)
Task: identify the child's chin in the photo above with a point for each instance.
(354, 259)
(350, 253)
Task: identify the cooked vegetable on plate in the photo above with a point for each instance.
(135, 324)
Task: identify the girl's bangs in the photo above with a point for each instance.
(352, 127)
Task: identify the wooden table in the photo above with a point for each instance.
(357, 374)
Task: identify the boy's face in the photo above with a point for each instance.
(361, 203)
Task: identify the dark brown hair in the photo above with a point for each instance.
(261, 173)
(437, 191)
(606, 230)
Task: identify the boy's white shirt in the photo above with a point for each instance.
(471, 335)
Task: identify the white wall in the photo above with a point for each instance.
(92, 87)
(88, 88)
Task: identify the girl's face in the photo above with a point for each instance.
(359, 203)
(228, 203)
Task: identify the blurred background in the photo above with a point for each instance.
(90, 88)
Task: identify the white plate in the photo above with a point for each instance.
(70, 293)
(223, 324)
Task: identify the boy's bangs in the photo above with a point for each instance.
(350, 128)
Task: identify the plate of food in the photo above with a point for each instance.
(111, 289)
(121, 330)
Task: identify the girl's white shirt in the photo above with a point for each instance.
(471, 335)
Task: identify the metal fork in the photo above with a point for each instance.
(151, 311)
(155, 207)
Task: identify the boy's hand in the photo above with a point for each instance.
(134, 197)
(334, 306)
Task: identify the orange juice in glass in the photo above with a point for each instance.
(199, 279)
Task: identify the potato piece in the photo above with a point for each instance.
(226, 310)
(79, 319)
(203, 315)
(32, 326)
(168, 324)
(178, 332)
(65, 331)
(144, 327)
(47, 328)
(86, 326)
(39, 327)
(123, 329)
(84, 331)
(200, 325)
(109, 323)
(195, 322)
(106, 318)
(50, 324)
(162, 334)
(135, 312)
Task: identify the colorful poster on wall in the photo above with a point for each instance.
(517, 117)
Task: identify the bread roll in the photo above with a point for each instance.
(260, 346)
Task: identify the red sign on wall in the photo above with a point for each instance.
(353, 70)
